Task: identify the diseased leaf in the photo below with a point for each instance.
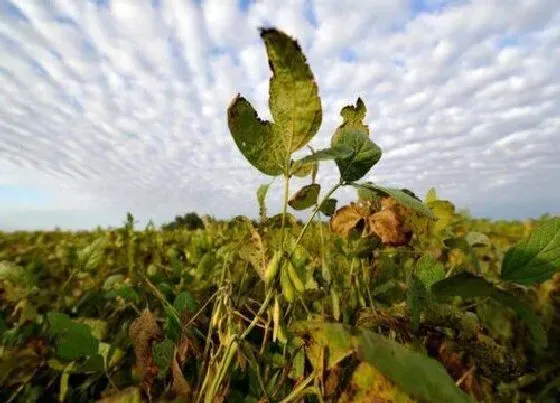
(348, 218)
(468, 285)
(475, 238)
(255, 138)
(431, 196)
(368, 385)
(391, 224)
(328, 207)
(535, 259)
(415, 374)
(305, 197)
(322, 336)
(293, 94)
(401, 197)
(444, 211)
(143, 332)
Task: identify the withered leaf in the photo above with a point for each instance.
(144, 331)
(180, 385)
(390, 224)
(348, 218)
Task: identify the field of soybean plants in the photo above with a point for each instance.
(393, 297)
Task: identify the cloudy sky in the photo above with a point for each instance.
(108, 106)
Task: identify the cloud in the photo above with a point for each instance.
(110, 106)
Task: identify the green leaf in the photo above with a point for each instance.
(261, 198)
(429, 270)
(90, 257)
(365, 153)
(184, 301)
(366, 194)
(535, 259)
(416, 374)
(163, 355)
(326, 154)
(415, 298)
(353, 134)
(401, 197)
(58, 322)
(255, 138)
(468, 285)
(305, 197)
(293, 94)
(76, 343)
(328, 207)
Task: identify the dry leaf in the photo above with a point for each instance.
(390, 224)
(348, 218)
(180, 385)
(144, 331)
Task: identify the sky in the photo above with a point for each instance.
(111, 106)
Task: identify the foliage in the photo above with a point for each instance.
(394, 299)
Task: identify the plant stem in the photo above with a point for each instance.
(285, 206)
(315, 210)
(262, 309)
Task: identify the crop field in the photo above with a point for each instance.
(393, 297)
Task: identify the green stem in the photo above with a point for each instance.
(285, 206)
(261, 311)
(315, 210)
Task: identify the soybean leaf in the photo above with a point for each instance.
(462, 244)
(305, 197)
(91, 256)
(184, 301)
(475, 238)
(320, 336)
(328, 207)
(327, 154)
(353, 134)
(468, 285)
(416, 374)
(255, 138)
(401, 197)
(163, 354)
(444, 211)
(431, 196)
(76, 343)
(415, 298)
(294, 105)
(365, 154)
(293, 93)
(536, 258)
(429, 270)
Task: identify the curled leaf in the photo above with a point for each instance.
(305, 197)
